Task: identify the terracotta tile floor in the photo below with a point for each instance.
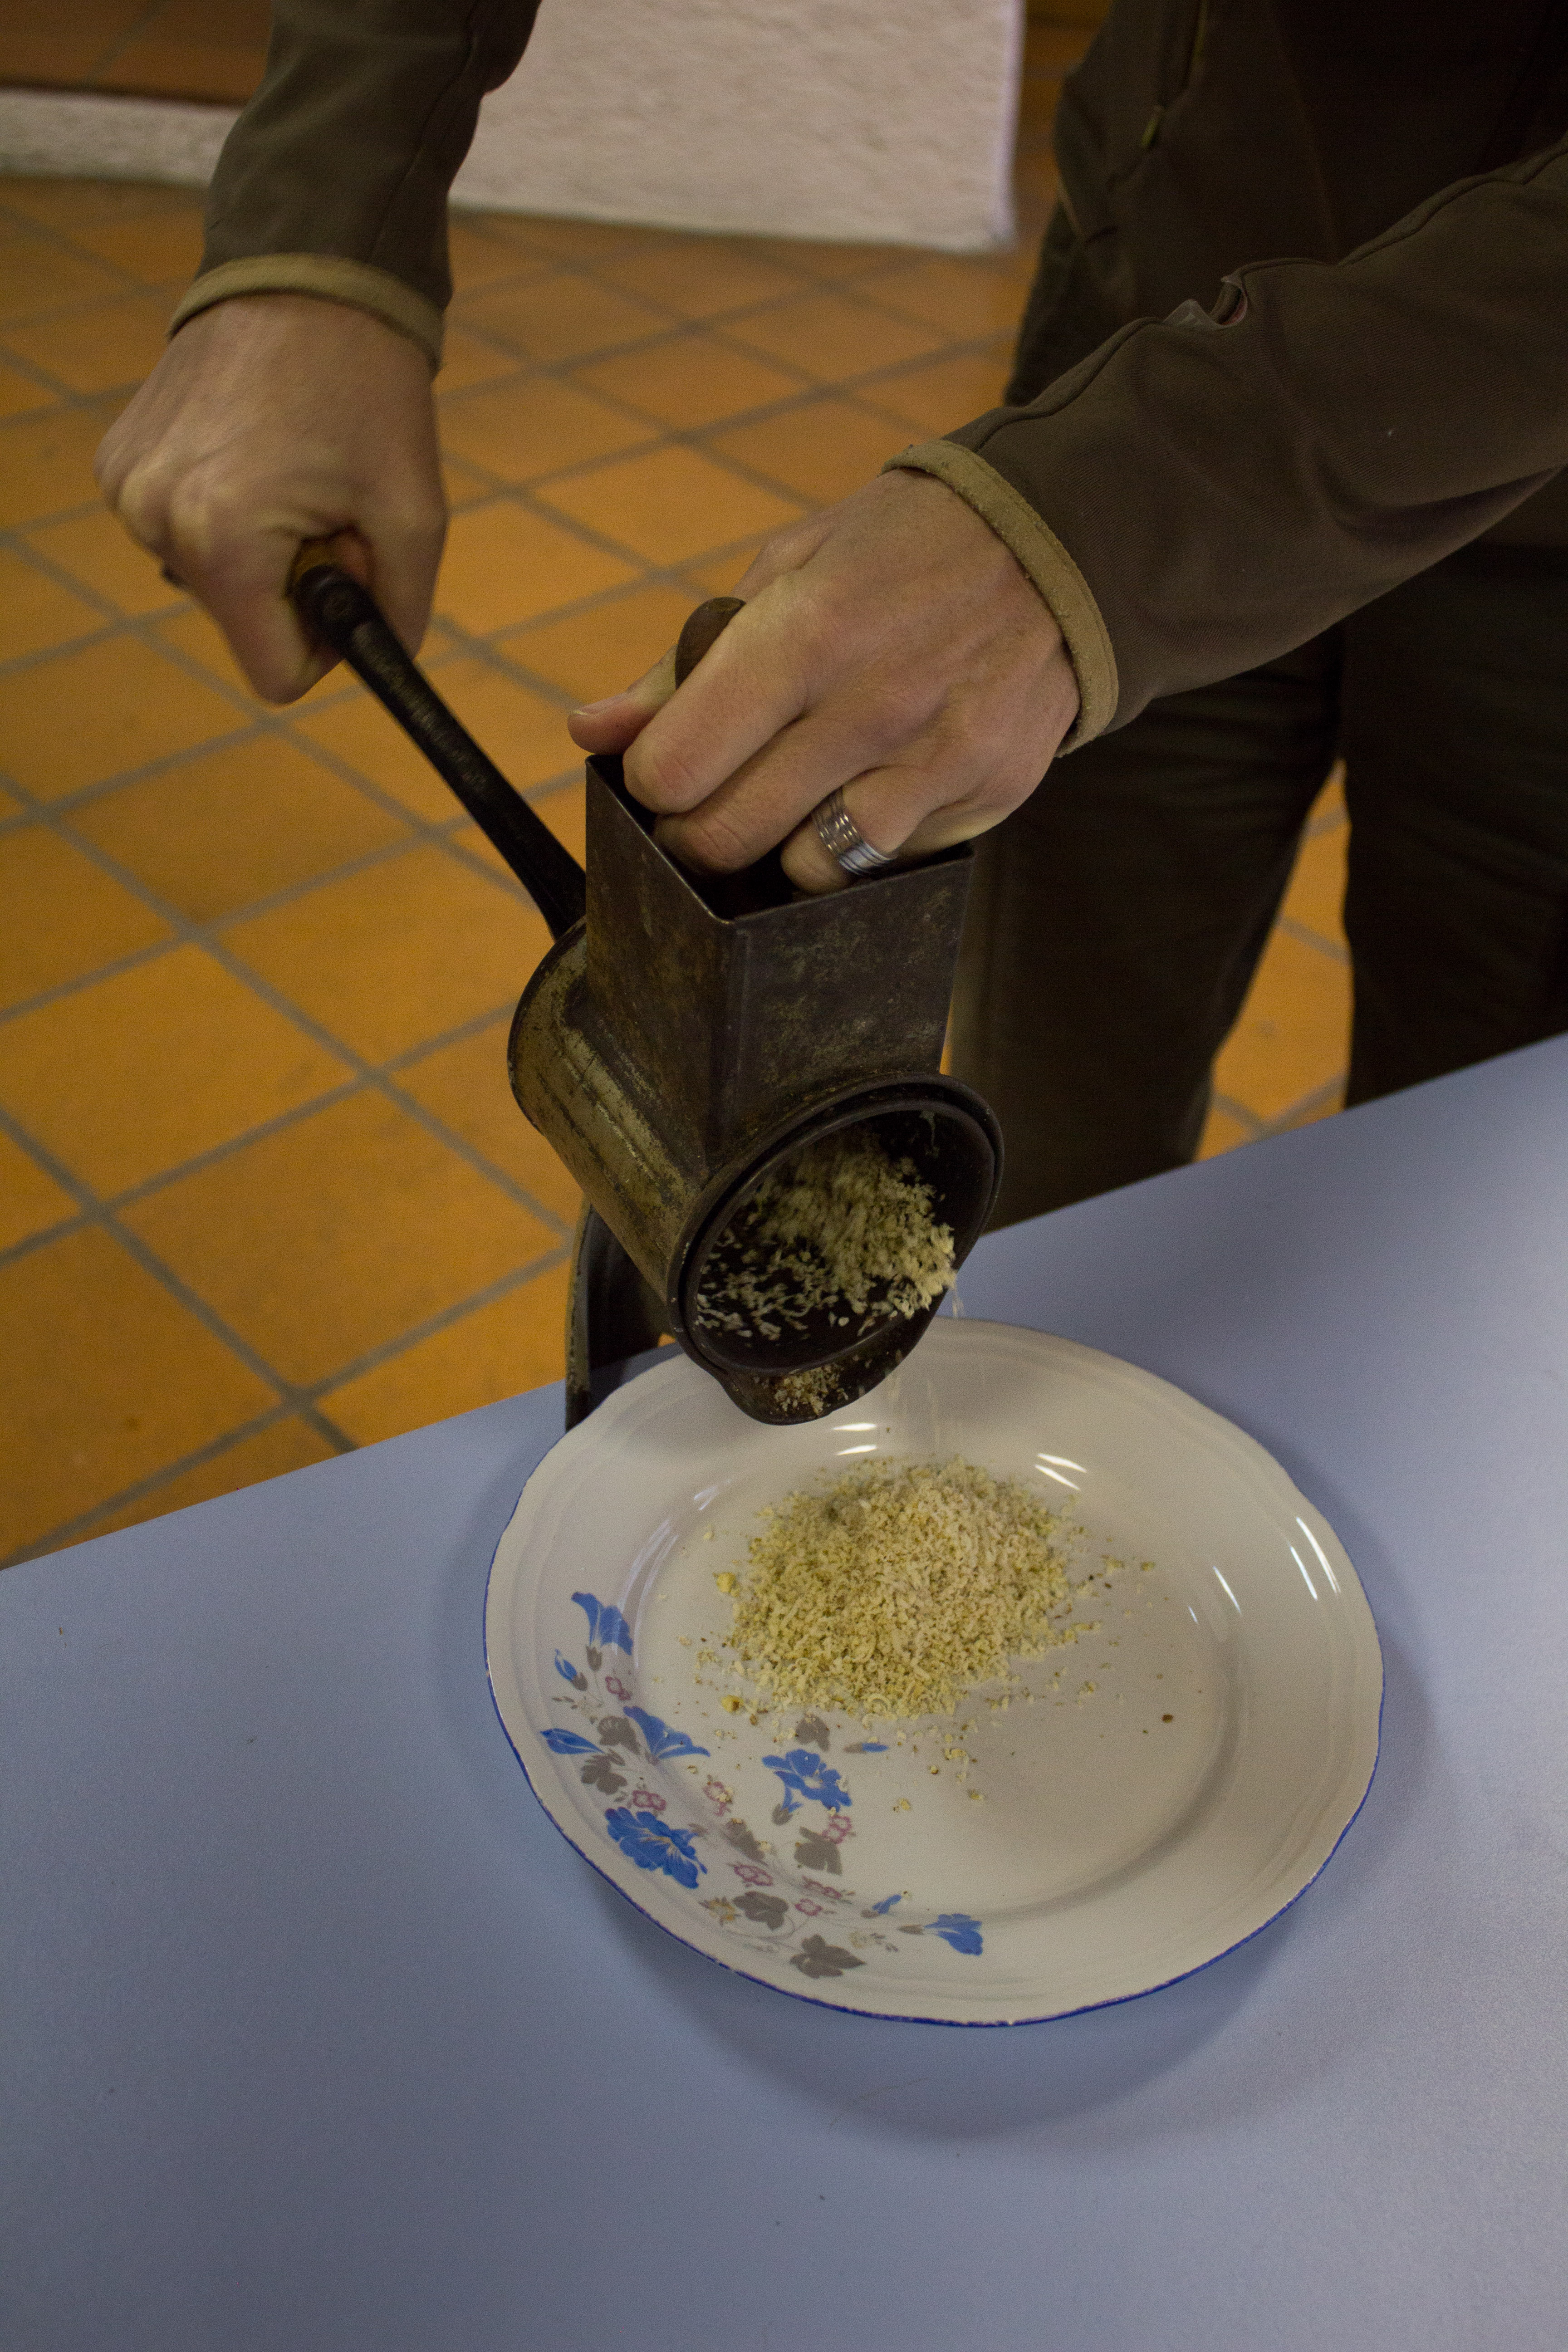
(263, 1192)
(163, 48)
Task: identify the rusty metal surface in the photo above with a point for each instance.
(569, 1076)
(688, 1032)
(731, 1020)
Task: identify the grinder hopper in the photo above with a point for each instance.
(691, 1034)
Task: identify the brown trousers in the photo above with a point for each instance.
(1117, 916)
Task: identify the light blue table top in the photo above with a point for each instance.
(321, 2040)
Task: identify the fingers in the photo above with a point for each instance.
(811, 867)
(752, 683)
(270, 420)
(615, 722)
(773, 792)
(893, 649)
(903, 752)
(241, 575)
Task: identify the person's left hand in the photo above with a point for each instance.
(892, 646)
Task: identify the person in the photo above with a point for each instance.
(1237, 515)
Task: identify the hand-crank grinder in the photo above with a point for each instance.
(686, 1034)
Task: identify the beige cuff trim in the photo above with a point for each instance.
(331, 279)
(1048, 565)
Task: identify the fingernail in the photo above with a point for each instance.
(586, 709)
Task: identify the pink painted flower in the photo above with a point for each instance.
(812, 1910)
(836, 1829)
(828, 1894)
(647, 1797)
(752, 1873)
(717, 1794)
(616, 1688)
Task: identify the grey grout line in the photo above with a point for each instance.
(189, 930)
(95, 1214)
(1306, 938)
(371, 1074)
(15, 536)
(1320, 1099)
(1305, 1107)
(264, 720)
(64, 988)
(59, 393)
(75, 1530)
(305, 1401)
(357, 1083)
(534, 262)
(118, 47)
(132, 1197)
(16, 664)
(465, 1030)
(516, 1278)
(1239, 1113)
(231, 740)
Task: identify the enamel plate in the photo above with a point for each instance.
(1174, 1777)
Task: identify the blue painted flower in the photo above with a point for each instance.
(568, 1743)
(662, 1742)
(607, 1629)
(889, 1903)
(569, 1673)
(654, 1844)
(809, 1777)
(956, 1927)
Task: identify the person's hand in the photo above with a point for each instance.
(891, 646)
(271, 419)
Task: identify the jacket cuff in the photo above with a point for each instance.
(1048, 565)
(329, 279)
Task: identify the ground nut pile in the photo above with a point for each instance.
(840, 1229)
(899, 1588)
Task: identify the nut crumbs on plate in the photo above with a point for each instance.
(899, 1587)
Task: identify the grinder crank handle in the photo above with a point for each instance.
(347, 618)
(709, 621)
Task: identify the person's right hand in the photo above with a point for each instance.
(271, 419)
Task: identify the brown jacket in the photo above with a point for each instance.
(1191, 493)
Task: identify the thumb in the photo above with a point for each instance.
(616, 721)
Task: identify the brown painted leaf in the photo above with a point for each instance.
(816, 1958)
(740, 1835)
(617, 1732)
(812, 1732)
(599, 1772)
(818, 1853)
(770, 1909)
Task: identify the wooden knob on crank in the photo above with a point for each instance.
(709, 621)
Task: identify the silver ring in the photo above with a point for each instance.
(843, 839)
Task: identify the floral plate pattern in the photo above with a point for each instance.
(765, 1912)
(1147, 1798)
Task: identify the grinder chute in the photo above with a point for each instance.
(687, 1038)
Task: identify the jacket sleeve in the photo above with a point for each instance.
(1204, 492)
(333, 181)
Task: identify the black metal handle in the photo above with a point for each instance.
(348, 618)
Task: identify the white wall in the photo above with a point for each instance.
(887, 121)
(874, 120)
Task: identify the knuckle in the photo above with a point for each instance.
(139, 500)
(661, 777)
(711, 839)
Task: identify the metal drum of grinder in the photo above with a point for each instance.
(687, 1038)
